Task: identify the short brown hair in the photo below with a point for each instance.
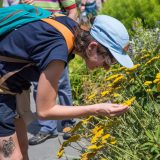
(83, 39)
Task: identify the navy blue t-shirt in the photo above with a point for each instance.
(38, 42)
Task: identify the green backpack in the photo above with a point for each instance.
(18, 15)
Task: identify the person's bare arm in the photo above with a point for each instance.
(46, 99)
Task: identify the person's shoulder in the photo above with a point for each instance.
(70, 23)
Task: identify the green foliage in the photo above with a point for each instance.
(77, 71)
(135, 135)
(1, 3)
(79, 75)
(127, 10)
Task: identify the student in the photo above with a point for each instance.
(7, 3)
(88, 9)
(105, 44)
(48, 128)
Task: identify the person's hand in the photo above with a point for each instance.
(27, 1)
(111, 110)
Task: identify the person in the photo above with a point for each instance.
(88, 9)
(62, 6)
(7, 3)
(103, 45)
(48, 128)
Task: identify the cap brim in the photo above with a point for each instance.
(122, 58)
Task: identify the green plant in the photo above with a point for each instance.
(128, 10)
(153, 143)
(77, 71)
(135, 135)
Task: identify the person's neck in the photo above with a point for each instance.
(80, 54)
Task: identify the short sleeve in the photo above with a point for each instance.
(68, 4)
(54, 51)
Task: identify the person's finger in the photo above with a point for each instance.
(118, 105)
(119, 108)
(118, 113)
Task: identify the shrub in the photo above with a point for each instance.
(77, 72)
(134, 135)
(127, 10)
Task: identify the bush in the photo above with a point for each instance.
(1, 4)
(135, 135)
(77, 72)
(127, 10)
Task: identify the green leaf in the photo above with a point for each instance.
(149, 135)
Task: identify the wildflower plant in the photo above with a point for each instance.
(136, 134)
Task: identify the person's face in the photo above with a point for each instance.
(95, 60)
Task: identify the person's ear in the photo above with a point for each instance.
(93, 45)
(92, 48)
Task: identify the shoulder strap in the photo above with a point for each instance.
(67, 34)
(69, 38)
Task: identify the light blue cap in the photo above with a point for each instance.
(112, 34)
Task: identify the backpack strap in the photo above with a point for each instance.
(9, 74)
(67, 34)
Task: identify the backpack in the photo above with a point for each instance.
(18, 15)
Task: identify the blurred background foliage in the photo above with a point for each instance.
(128, 10)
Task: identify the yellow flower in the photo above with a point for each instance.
(104, 93)
(113, 77)
(147, 83)
(116, 95)
(129, 102)
(96, 129)
(91, 96)
(128, 73)
(113, 140)
(118, 69)
(105, 137)
(152, 60)
(133, 68)
(94, 147)
(148, 90)
(60, 152)
(85, 121)
(158, 76)
(156, 80)
(119, 79)
(97, 136)
(109, 85)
